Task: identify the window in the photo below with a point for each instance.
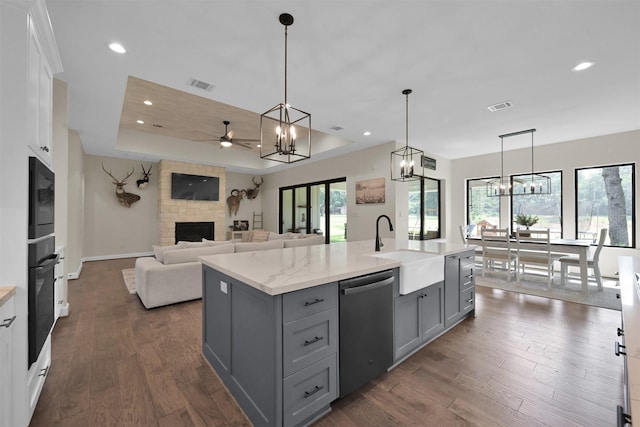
(315, 208)
(424, 209)
(547, 207)
(605, 199)
(481, 209)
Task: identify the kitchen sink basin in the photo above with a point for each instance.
(417, 269)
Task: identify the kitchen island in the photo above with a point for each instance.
(271, 319)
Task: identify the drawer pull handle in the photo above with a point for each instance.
(423, 295)
(43, 372)
(469, 276)
(618, 295)
(44, 148)
(317, 300)
(309, 342)
(312, 392)
(470, 300)
(621, 352)
(620, 332)
(7, 322)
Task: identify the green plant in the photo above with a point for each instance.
(526, 220)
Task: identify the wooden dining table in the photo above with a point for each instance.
(564, 246)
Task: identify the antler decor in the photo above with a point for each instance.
(142, 183)
(125, 199)
(252, 193)
(233, 201)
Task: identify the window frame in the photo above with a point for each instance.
(633, 201)
(485, 180)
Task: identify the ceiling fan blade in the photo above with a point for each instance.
(204, 140)
(245, 140)
(229, 135)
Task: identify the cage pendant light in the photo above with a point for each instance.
(285, 131)
(519, 185)
(406, 162)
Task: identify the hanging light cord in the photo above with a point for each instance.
(286, 32)
(406, 144)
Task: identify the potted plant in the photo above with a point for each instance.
(526, 220)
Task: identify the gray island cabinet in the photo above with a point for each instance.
(427, 313)
(276, 354)
(271, 320)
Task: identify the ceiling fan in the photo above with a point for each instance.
(227, 140)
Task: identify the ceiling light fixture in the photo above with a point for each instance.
(285, 131)
(583, 66)
(406, 162)
(117, 48)
(507, 185)
(147, 102)
(141, 122)
(366, 133)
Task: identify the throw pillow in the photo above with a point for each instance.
(159, 251)
(260, 236)
(251, 246)
(192, 254)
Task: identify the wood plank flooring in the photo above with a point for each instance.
(524, 361)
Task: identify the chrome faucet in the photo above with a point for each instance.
(378, 239)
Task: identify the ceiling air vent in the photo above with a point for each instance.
(336, 128)
(500, 106)
(201, 85)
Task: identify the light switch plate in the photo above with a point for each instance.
(223, 287)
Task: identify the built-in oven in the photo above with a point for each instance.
(41, 199)
(42, 261)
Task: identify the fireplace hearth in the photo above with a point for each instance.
(194, 231)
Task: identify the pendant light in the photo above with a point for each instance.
(406, 162)
(531, 184)
(285, 131)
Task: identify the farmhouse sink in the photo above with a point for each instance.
(417, 269)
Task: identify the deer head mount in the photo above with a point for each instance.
(233, 201)
(252, 193)
(125, 199)
(144, 182)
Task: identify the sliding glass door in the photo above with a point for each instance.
(319, 207)
(424, 209)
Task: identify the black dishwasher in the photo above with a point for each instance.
(366, 329)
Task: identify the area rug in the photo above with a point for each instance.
(129, 276)
(571, 291)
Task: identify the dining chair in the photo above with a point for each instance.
(496, 246)
(592, 263)
(537, 253)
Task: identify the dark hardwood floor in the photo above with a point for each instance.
(524, 361)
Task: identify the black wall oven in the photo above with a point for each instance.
(42, 261)
(41, 199)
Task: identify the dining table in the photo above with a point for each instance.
(578, 247)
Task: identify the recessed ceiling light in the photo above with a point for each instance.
(583, 66)
(367, 133)
(117, 47)
(147, 102)
(140, 122)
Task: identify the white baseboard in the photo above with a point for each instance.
(116, 256)
(76, 274)
(64, 311)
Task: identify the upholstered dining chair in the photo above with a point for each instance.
(574, 261)
(496, 246)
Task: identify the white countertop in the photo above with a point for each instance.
(630, 303)
(278, 271)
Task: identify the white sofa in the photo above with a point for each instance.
(174, 274)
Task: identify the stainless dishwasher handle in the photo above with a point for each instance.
(369, 287)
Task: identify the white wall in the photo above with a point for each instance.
(566, 157)
(111, 230)
(75, 208)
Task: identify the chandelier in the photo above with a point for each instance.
(406, 162)
(285, 131)
(521, 185)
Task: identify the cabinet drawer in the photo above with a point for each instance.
(296, 305)
(308, 391)
(308, 340)
(468, 300)
(466, 277)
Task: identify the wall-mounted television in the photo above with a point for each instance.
(195, 187)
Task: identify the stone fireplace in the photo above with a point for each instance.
(171, 211)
